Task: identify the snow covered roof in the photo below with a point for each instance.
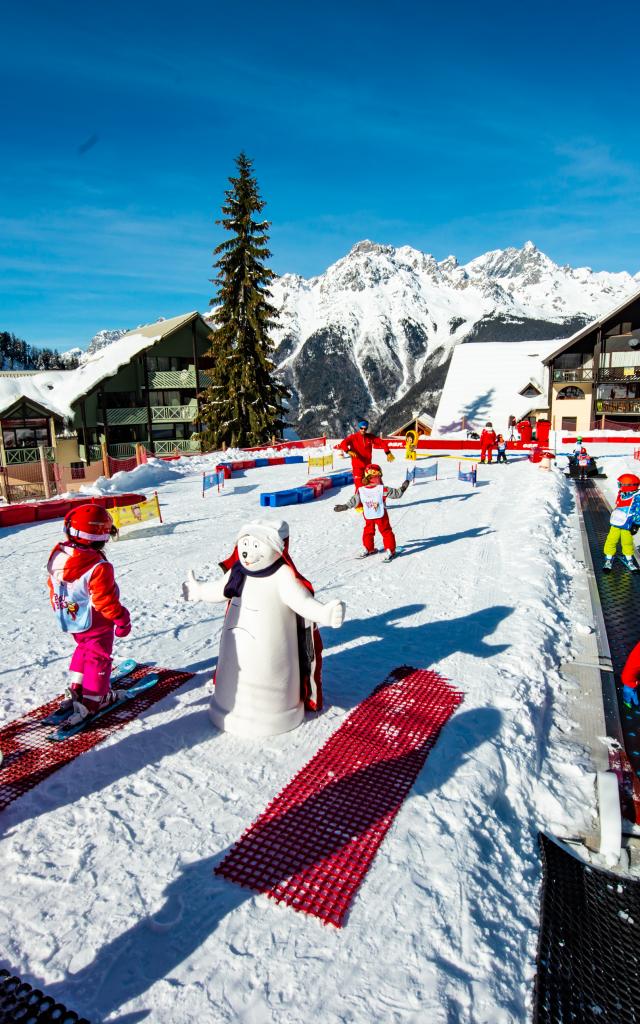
(485, 381)
(57, 390)
(591, 326)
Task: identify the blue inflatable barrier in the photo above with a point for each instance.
(293, 458)
(275, 499)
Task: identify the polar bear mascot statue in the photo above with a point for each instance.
(258, 688)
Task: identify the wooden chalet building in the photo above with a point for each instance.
(594, 377)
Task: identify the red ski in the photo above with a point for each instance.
(313, 845)
(29, 757)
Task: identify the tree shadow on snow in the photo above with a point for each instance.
(197, 901)
(349, 678)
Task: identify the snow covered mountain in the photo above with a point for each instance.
(373, 335)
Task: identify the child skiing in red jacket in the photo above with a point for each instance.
(487, 443)
(372, 496)
(86, 601)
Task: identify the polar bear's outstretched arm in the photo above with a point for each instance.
(298, 598)
(211, 591)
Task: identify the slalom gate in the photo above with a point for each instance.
(469, 476)
(320, 462)
(313, 845)
(29, 757)
(20, 1002)
(588, 960)
(139, 512)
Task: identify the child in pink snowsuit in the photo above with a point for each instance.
(86, 601)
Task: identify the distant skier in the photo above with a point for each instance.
(372, 496)
(487, 443)
(583, 463)
(359, 447)
(501, 446)
(625, 521)
(86, 602)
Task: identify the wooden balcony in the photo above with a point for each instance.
(578, 373)
(630, 406)
(159, 414)
(623, 373)
(179, 379)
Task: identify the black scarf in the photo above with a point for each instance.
(235, 583)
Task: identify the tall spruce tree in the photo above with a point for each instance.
(243, 405)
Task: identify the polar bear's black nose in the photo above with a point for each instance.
(244, 554)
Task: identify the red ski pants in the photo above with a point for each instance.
(92, 657)
(384, 526)
(486, 450)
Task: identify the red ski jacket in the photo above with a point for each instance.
(360, 448)
(103, 589)
(488, 438)
(631, 670)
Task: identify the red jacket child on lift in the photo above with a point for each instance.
(86, 602)
(372, 496)
(359, 447)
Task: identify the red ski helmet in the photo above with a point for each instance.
(87, 524)
(373, 469)
(628, 482)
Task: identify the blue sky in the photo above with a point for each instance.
(455, 128)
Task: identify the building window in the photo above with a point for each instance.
(77, 470)
(569, 423)
(25, 433)
(570, 392)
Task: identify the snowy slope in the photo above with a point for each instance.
(109, 901)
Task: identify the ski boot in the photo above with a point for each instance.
(84, 710)
(607, 565)
(629, 562)
(365, 554)
(389, 556)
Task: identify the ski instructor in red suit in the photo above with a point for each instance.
(359, 447)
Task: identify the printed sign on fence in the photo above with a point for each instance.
(129, 515)
(422, 472)
(468, 475)
(319, 462)
(213, 479)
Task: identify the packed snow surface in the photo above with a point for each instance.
(109, 899)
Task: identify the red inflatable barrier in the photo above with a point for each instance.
(40, 511)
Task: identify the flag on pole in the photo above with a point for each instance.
(467, 475)
(212, 479)
(129, 515)
(424, 472)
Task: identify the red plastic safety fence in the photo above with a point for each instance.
(28, 757)
(121, 465)
(313, 845)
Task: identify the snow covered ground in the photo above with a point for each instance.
(109, 901)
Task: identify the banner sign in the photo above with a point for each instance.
(129, 515)
(215, 478)
(418, 472)
(319, 462)
(468, 475)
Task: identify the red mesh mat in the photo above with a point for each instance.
(29, 757)
(313, 845)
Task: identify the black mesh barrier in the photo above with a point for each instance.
(620, 599)
(19, 1002)
(589, 946)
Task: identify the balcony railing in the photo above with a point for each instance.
(159, 414)
(578, 373)
(22, 456)
(619, 405)
(159, 379)
(625, 373)
(171, 413)
(169, 447)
